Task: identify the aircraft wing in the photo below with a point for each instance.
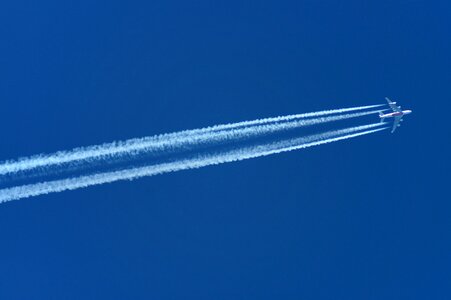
(396, 123)
(393, 105)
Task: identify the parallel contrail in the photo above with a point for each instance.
(42, 188)
(185, 139)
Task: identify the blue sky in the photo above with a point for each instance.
(366, 218)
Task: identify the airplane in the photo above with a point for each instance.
(397, 113)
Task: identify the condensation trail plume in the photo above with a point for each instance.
(186, 139)
(42, 188)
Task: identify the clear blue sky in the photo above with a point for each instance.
(367, 218)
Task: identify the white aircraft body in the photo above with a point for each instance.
(397, 113)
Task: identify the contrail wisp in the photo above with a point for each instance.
(185, 139)
(42, 188)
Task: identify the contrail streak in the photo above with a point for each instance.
(42, 188)
(292, 117)
(184, 139)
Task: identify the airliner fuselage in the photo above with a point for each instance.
(395, 114)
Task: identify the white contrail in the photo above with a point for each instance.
(185, 139)
(291, 117)
(42, 188)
